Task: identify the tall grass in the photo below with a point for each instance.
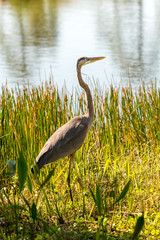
(122, 146)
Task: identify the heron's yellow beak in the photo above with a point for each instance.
(94, 59)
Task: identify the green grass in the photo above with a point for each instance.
(119, 165)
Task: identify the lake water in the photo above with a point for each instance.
(42, 39)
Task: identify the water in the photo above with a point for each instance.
(42, 39)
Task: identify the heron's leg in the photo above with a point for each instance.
(77, 170)
(68, 178)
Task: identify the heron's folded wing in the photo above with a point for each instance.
(66, 139)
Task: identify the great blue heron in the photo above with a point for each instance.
(69, 138)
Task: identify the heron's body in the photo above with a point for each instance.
(70, 137)
(65, 141)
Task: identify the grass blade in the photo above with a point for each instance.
(98, 200)
(29, 184)
(124, 191)
(93, 196)
(22, 171)
(138, 227)
(34, 212)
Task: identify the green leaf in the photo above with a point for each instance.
(98, 200)
(34, 211)
(26, 201)
(22, 171)
(138, 227)
(93, 196)
(124, 192)
(29, 184)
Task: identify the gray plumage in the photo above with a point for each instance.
(65, 141)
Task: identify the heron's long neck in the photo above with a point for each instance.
(90, 110)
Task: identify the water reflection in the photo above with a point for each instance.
(40, 36)
(28, 32)
(132, 34)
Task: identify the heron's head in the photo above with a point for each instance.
(86, 60)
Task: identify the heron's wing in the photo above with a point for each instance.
(66, 140)
(74, 128)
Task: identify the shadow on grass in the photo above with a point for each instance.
(91, 234)
(40, 229)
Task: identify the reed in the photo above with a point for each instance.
(118, 163)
